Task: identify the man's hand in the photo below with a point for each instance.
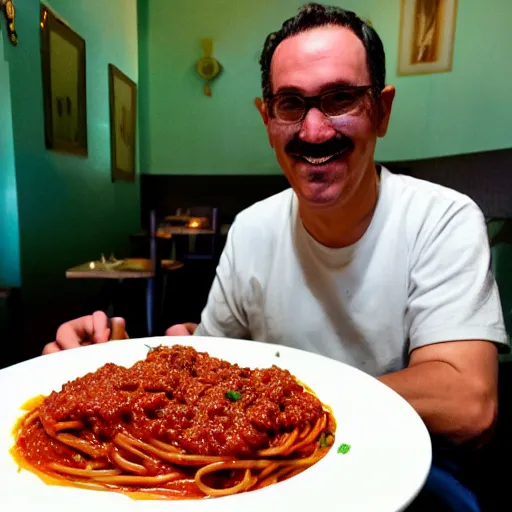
(186, 329)
(453, 386)
(85, 331)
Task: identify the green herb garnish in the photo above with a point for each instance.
(343, 448)
(278, 354)
(233, 395)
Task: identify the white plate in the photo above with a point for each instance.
(387, 464)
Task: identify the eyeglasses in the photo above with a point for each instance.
(292, 108)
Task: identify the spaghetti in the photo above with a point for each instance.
(179, 424)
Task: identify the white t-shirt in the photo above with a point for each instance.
(419, 275)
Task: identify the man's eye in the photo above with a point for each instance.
(340, 98)
(292, 103)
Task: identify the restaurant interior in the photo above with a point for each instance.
(119, 194)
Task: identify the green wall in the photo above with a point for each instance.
(9, 233)
(69, 211)
(464, 111)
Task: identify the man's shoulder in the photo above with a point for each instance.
(419, 196)
(429, 212)
(269, 212)
(258, 230)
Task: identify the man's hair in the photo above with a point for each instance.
(314, 15)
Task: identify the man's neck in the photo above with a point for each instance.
(344, 225)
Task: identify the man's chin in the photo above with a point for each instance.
(316, 195)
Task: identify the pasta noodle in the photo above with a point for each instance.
(179, 424)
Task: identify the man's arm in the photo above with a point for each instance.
(451, 378)
(452, 386)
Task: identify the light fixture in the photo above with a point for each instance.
(8, 7)
(208, 67)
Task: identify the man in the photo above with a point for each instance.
(384, 272)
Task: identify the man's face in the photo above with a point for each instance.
(325, 158)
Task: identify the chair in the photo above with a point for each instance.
(157, 286)
(500, 240)
(204, 246)
(195, 244)
(490, 480)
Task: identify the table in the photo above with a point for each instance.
(133, 268)
(130, 268)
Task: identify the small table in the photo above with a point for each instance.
(130, 268)
(133, 268)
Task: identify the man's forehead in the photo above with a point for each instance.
(325, 54)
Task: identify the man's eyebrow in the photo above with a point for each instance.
(334, 84)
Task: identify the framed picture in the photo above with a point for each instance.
(427, 34)
(64, 86)
(123, 115)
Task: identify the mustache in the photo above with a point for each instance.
(331, 147)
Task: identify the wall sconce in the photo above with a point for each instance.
(208, 67)
(8, 8)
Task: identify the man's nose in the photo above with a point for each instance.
(316, 128)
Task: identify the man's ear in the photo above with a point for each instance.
(263, 110)
(386, 103)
